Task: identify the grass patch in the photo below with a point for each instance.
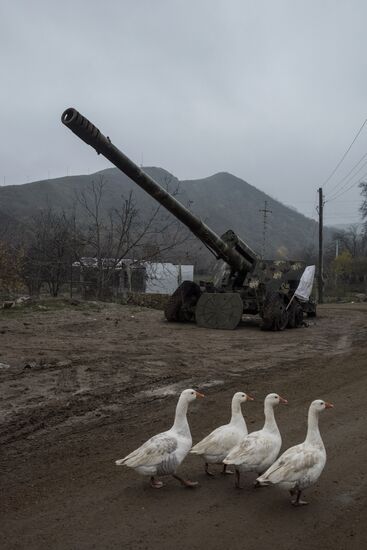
(45, 305)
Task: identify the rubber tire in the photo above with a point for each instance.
(295, 315)
(273, 304)
(188, 290)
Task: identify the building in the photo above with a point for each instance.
(126, 275)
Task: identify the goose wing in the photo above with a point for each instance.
(219, 440)
(253, 450)
(292, 465)
(159, 448)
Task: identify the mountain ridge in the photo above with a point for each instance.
(223, 201)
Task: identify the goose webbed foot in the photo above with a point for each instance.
(155, 483)
(207, 470)
(226, 472)
(298, 501)
(185, 482)
(237, 480)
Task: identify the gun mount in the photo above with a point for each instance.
(242, 282)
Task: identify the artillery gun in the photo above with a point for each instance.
(243, 283)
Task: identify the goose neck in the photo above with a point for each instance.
(270, 423)
(237, 416)
(180, 424)
(313, 432)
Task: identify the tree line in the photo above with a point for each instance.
(45, 250)
(347, 254)
(54, 241)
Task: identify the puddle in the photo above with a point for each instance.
(212, 383)
(343, 344)
(156, 363)
(345, 498)
(174, 389)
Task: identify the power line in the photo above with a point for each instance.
(347, 189)
(333, 189)
(343, 214)
(313, 203)
(337, 192)
(345, 154)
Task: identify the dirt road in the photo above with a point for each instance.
(86, 384)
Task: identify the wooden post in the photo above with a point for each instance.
(321, 252)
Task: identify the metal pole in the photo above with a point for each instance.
(265, 212)
(71, 278)
(321, 253)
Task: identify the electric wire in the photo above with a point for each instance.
(348, 188)
(344, 155)
(340, 191)
(334, 188)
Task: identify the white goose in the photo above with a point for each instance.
(300, 466)
(163, 453)
(258, 450)
(215, 446)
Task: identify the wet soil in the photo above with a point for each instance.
(82, 385)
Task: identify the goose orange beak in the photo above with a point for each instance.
(198, 394)
(282, 400)
(249, 397)
(328, 405)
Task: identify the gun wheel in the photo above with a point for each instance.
(295, 315)
(309, 307)
(274, 314)
(180, 304)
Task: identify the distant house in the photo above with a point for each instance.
(130, 276)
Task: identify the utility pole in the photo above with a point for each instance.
(321, 247)
(265, 212)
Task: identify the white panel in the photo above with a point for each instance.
(164, 278)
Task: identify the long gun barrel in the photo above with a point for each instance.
(86, 131)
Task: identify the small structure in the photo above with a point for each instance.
(128, 275)
(164, 278)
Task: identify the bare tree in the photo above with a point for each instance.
(51, 251)
(10, 267)
(350, 240)
(111, 235)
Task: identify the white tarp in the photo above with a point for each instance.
(304, 288)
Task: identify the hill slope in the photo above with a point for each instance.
(223, 201)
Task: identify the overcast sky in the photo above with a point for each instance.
(273, 91)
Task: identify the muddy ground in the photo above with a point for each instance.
(83, 385)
